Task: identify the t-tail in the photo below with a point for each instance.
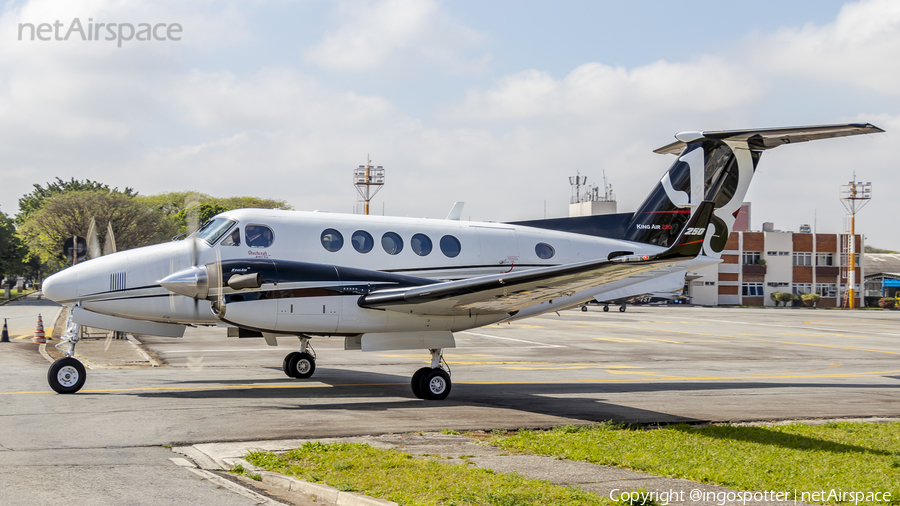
(714, 166)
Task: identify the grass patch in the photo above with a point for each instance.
(842, 456)
(242, 471)
(399, 477)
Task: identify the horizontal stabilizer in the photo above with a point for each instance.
(768, 138)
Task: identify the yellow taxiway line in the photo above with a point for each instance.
(534, 382)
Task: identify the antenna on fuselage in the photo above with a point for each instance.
(368, 180)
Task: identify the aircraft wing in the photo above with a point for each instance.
(768, 138)
(511, 292)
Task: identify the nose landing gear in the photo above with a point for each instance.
(67, 375)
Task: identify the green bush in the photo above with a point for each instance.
(782, 297)
(810, 299)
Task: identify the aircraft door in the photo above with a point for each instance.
(499, 246)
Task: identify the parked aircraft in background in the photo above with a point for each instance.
(387, 283)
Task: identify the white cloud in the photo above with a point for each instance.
(859, 47)
(659, 88)
(369, 34)
(143, 117)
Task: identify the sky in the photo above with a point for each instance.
(492, 103)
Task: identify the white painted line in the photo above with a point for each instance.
(539, 345)
(43, 350)
(811, 327)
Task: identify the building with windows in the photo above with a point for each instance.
(757, 264)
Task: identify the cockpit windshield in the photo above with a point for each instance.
(212, 230)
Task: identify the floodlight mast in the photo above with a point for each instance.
(854, 196)
(368, 180)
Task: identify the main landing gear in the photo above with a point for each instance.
(300, 364)
(621, 308)
(67, 375)
(432, 383)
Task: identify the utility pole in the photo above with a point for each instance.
(368, 180)
(854, 196)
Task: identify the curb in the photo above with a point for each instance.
(318, 492)
(313, 491)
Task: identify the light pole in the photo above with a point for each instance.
(854, 196)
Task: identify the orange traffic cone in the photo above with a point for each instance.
(39, 332)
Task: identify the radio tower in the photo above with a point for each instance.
(368, 179)
(854, 195)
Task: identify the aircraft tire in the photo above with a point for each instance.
(286, 365)
(584, 309)
(302, 366)
(416, 382)
(606, 308)
(66, 376)
(435, 385)
(622, 308)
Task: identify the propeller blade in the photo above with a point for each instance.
(93, 241)
(109, 245)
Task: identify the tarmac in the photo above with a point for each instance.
(101, 350)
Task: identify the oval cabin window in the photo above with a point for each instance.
(332, 240)
(362, 241)
(421, 244)
(392, 243)
(544, 250)
(450, 246)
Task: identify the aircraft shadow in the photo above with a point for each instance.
(579, 401)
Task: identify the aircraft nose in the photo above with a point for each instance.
(61, 287)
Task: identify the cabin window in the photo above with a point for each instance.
(450, 246)
(232, 239)
(332, 240)
(213, 230)
(544, 250)
(421, 244)
(258, 236)
(392, 243)
(362, 241)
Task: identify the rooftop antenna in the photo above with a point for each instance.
(854, 196)
(368, 180)
(577, 181)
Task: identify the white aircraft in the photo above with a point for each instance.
(387, 283)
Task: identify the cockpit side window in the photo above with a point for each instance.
(213, 230)
(259, 236)
(232, 239)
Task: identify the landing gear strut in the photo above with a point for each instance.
(67, 375)
(432, 383)
(300, 364)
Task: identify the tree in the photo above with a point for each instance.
(32, 202)
(175, 206)
(12, 251)
(69, 213)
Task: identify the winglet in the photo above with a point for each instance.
(456, 212)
